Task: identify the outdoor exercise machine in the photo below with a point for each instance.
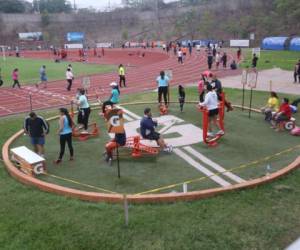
(115, 123)
(212, 141)
(77, 132)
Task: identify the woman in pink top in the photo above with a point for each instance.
(15, 77)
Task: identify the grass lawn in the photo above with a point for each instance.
(261, 218)
(147, 172)
(285, 60)
(29, 69)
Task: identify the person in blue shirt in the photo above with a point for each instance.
(84, 109)
(43, 77)
(65, 134)
(114, 98)
(163, 87)
(147, 126)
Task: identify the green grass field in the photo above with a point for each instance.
(29, 69)
(285, 60)
(262, 218)
(238, 147)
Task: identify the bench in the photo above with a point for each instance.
(30, 163)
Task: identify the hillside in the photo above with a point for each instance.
(193, 19)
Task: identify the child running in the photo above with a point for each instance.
(15, 77)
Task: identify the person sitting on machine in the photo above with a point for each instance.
(211, 103)
(114, 98)
(148, 131)
(284, 114)
(233, 65)
(271, 106)
(115, 126)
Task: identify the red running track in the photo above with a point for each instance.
(140, 76)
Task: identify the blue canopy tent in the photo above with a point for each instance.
(295, 44)
(274, 43)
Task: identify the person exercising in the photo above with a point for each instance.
(119, 139)
(148, 132)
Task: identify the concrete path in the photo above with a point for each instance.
(282, 81)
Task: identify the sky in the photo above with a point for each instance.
(100, 4)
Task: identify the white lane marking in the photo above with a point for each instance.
(183, 135)
(133, 115)
(214, 165)
(202, 169)
(167, 127)
(294, 246)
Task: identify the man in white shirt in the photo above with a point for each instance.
(70, 77)
(211, 103)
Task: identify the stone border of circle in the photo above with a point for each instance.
(148, 198)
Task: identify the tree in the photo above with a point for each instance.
(12, 6)
(45, 18)
(125, 35)
(52, 6)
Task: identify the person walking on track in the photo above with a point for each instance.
(15, 77)
(70, 78)
(43, 77)
(122, 76)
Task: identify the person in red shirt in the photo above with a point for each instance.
(284, 114)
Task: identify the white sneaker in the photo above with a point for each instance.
(168, 149)
(84, 132)
(220, 132)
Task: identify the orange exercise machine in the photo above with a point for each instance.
(213, 141)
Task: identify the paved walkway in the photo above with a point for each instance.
(282, 81)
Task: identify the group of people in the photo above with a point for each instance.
(276, 112)
(215, 56)
(37, 128)
(69, 77)
(147, 131)
(210, 94)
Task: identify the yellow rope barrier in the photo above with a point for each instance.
(251, 164)
(80, 183)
